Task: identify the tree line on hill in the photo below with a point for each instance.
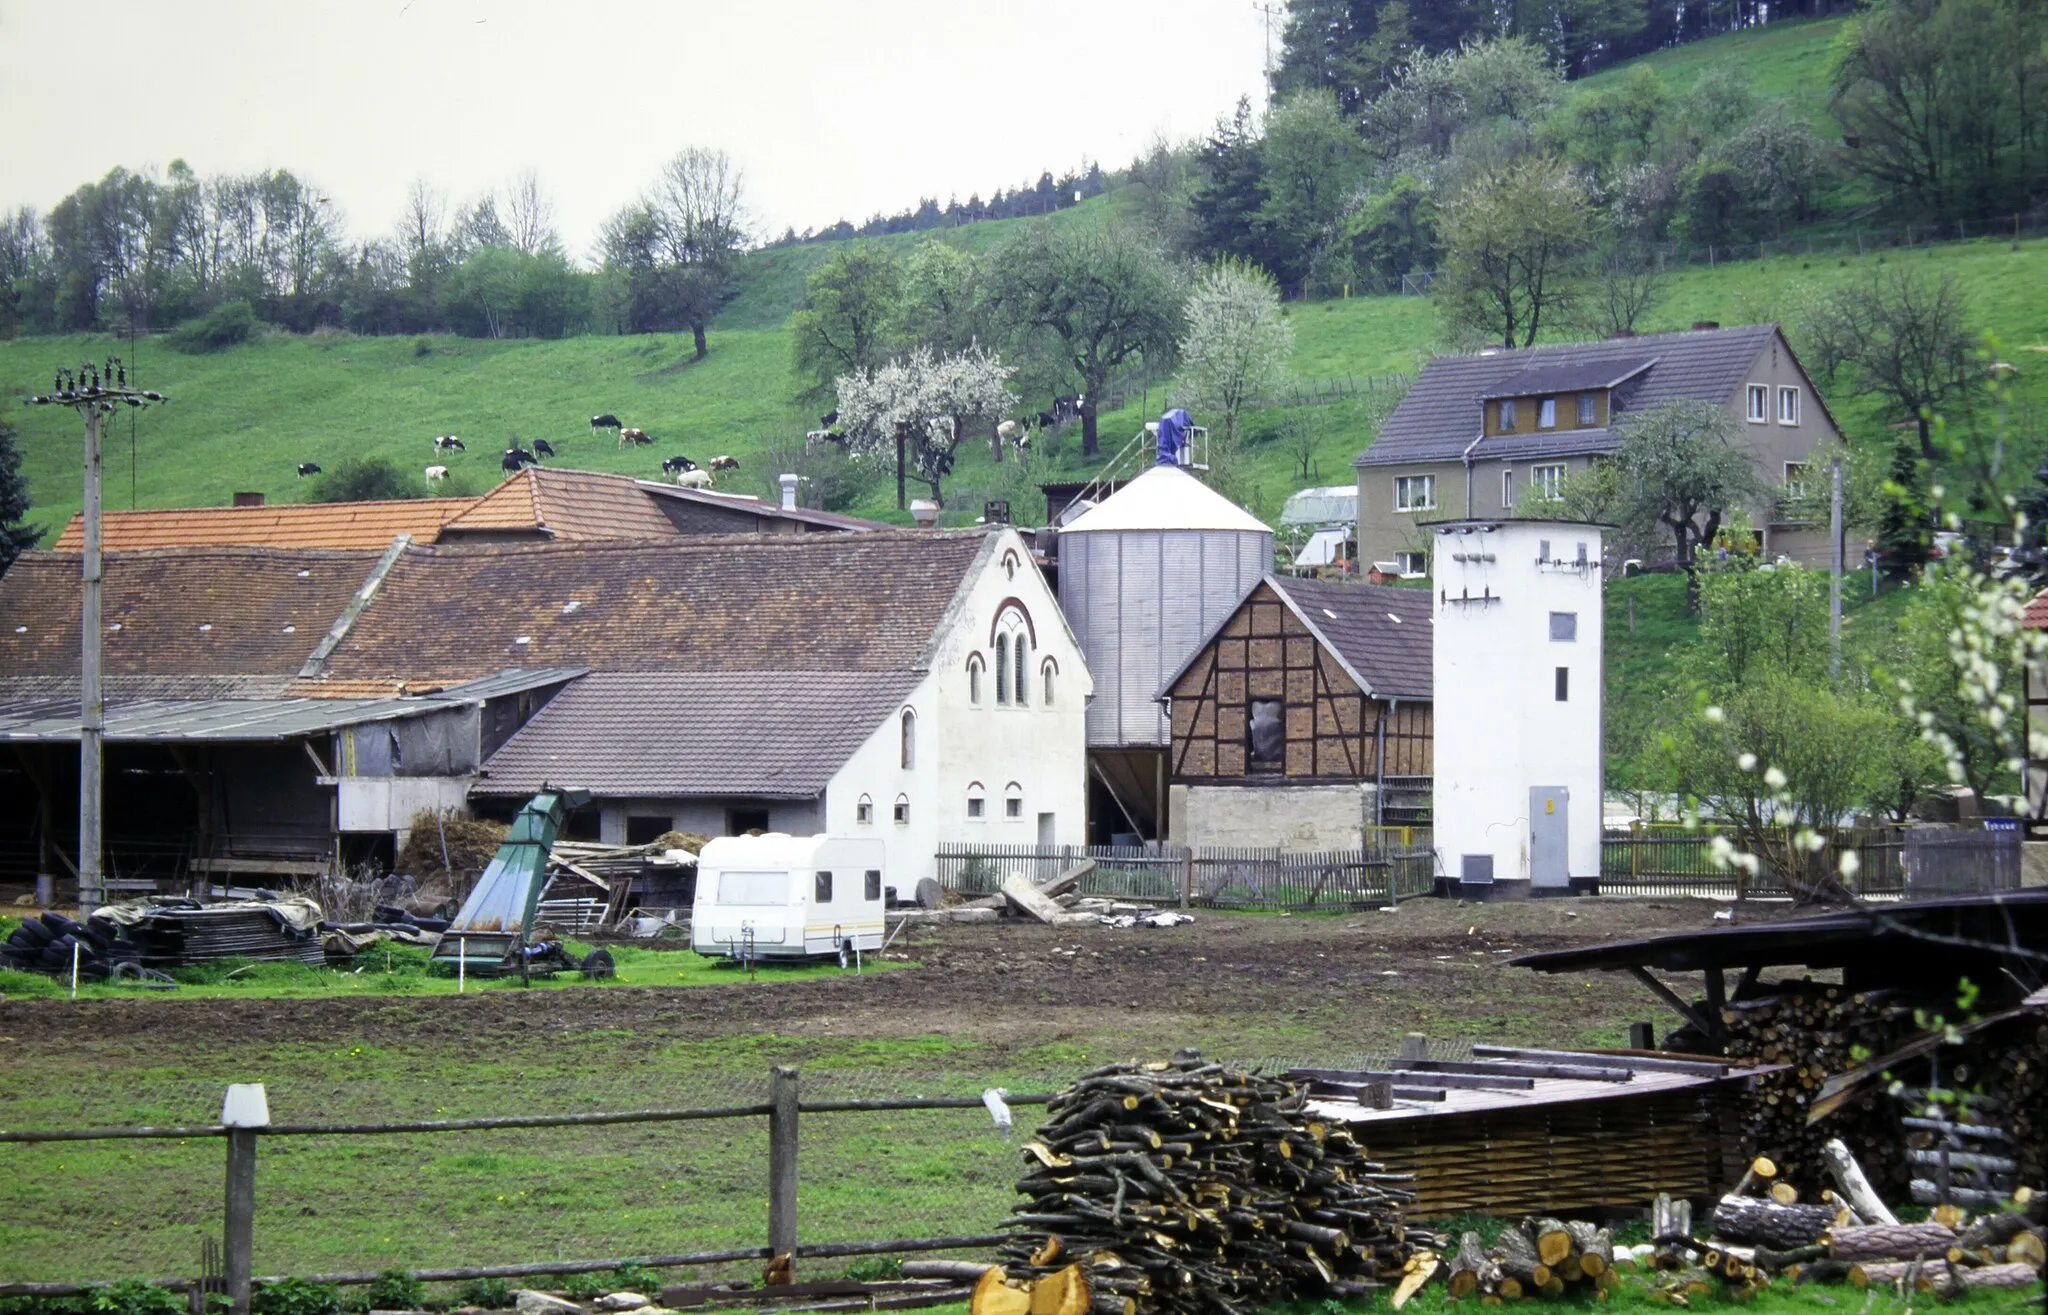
(1041, 198)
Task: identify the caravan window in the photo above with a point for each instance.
(873, 888)
(822, 893)
(758, 888)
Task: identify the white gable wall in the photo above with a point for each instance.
(1041, 750)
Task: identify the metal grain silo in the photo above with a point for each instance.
(1144, 577)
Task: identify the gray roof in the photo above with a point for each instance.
(763, 508)
(1571, 377)
(753, 734)
(1440, 417)
(161, 720)
(1379, 634)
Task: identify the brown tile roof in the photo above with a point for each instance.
(2036, 615)
(184, 612)
(285, 525)
(775, 734)
(1380, 633)
(862, 602)
(566, 506)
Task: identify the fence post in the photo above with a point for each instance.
(783, 1085)
(243, 1111)
(1187, 878)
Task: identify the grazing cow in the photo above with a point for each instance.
(824, 436)
(449, 443)
(1046, 418)
(725, 463)
(435, 474)
(515, 457)
(677, 466)
(829, 419)
(694, 479)
(637, 437)
(1015, 434)
(543, 448)
(1067, 407)
(307, 468)
(606, 421)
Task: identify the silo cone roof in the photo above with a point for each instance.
(1167, 498)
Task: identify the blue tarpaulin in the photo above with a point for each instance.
(1173, 438)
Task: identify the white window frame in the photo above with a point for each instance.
(1588, 410)
(1507, 489)
(1411, 565)
(1796, 475)
(1788, 404)
(1546, 413)
(1404, 493)
(1757, 406)
(1546, 482)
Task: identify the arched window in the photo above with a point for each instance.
(864, 811)
(1048, 672)
(1013, 801)
(902, 810)
(1022, 647)
(974, 679)
(977, 802)
(1010, 563)
(1002, 669)
(909, 739)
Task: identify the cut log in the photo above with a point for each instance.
(1942, 1280)
(1831, 1271)
(959, 1271)
(1516, 1254)
(1024, 896)
(1854, 1184)
(994, 1296)
(1472, 1269)
(1553, 1240)
(1761, 1169)
(1411, 1282)
(1890, 1242)
(1063, 1292)
(1784, 1193)
(2029, 1248)
(1595, 1247)
(1767, 1223)
(1992, 1230)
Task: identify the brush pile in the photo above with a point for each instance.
(1188, 1188)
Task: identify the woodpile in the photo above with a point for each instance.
(1539, 1258)
(1186, 1187)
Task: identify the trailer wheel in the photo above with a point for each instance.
(846, 954)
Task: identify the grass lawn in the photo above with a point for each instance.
(1786, 60)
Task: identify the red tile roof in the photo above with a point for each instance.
(2036, 615)
(284, 525)
(567, 506)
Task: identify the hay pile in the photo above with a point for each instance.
(471, 844)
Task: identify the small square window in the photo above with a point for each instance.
(1507, 416)
(1564, 684)
(1546, 483)
(821, 892)
(871, 885)
(1414, 492)
(1013, 807)
(902, 811)
(1411, 565)
(1546, 414)
(1759, 404)
(1788, 406)
(1589, 409)
(864, 811)
(1564, 627)
(974, 805)
(1267, 731)
(1507, 490)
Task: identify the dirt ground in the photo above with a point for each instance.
(1236, 984)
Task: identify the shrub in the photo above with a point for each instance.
(396, 1289)
(488, 1293)
(226, 325)
(295, 1296)
(585, 1287)
(368, 479)
(133, 1296)
(422, 347)
(874, 1269)
(637, 1278)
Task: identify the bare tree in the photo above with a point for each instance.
(699, 201)
(422, 225)
(529, 215)
(1898, 335)
(1627, 283)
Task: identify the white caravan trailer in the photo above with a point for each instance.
(779, 896)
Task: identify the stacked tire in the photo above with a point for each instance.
(46, 944)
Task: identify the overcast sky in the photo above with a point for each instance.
(834, 108)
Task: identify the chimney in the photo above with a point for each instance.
(789, 483)
(1706, 324)
(924, 512)
(248, 499)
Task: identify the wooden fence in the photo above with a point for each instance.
(1396, 863)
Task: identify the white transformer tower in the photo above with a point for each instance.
(1518, 695)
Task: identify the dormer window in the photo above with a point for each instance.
(1589, 409)
(1507, 416)
(1546, 413)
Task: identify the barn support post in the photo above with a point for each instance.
(783, 1087)
(92, 714)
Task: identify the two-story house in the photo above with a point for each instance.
(1497, 434)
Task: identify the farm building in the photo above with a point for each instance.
(1144, 576)
(1303, 718)
(1519, 675)
(918, 687)
(1487, 435)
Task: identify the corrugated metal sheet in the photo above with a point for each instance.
(210, 719)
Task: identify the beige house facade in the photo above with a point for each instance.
(1499, 433)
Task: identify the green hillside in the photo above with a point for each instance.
(1784, 60)
(243, 419)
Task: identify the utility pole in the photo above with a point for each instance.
(95, 390)
(1269, 12)
(1835, 577)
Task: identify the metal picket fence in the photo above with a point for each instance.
(1656, 861)
(1396, 863)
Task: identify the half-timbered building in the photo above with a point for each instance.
(1304, 718)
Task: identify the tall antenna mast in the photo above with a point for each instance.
(1269, 12)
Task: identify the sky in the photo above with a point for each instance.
(834, 110)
